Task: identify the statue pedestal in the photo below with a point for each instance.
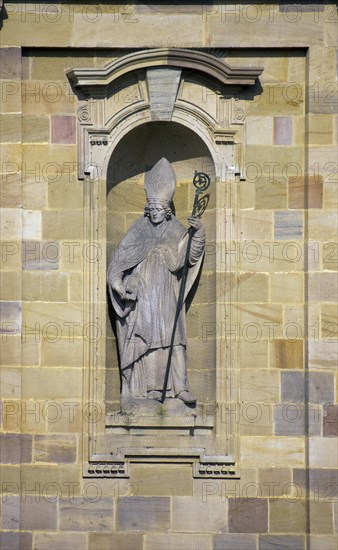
(146, 416)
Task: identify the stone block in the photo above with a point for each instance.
(62, 224)
(245, 287)
(10, 128)
(63, 129)
(291, 542)
(329, 321)
(287, 516)
(10, 380)
(270, 195)
(329, 256)
(55, 479)
(11, 540)
(323, 354)
(15, 448)
(323, 287)
(143, 514)
(11, 224)
(35, 129)
(178, 541)
(55, 448)
(320, 129)
(321, 517)
(282, 130)
(287, 288)
(86, 514)
(290, 420)
(272, 452)
(253, 354)
(120, 541)
(65, 192)
(330, 420)
(322, 482)
(234, 541)
(320, 385)
(55, 541)
(288, 225)
(29, 513)
(43, 287)
(305, 193)
(188, 511)
(253, 316)
(55, 316)
(41, 255)
(31, 224)
(161, 480)
(274, 101)
(202, 383)
(248, 515)
(323, 452)
(66, 352)
(10, 317)
(257, 224)
(11, 286)
(10, 187)
(330, 194)
(10, 63)
(324, 542)
(256, 418)
(273, 481)
(259, 386)
(259, 130)
(55, 383)
(322, 227)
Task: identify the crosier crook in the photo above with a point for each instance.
(201, 181)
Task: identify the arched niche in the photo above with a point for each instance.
(137, 152)
(183, 105)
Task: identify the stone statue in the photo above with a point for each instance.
(143, 280)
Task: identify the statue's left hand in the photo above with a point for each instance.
(195, 223)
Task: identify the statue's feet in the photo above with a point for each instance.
(154, 395)
(186, 397)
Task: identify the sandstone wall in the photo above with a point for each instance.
(280, 291)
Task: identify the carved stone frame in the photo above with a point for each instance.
(98, 135)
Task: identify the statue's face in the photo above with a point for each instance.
(156, 212)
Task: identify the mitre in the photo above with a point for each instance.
(160, 182)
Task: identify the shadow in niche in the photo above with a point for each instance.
(145, 145)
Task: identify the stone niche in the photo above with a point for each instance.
(182, 105)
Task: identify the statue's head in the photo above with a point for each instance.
(157, 211)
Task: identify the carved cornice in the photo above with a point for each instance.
(164, 57)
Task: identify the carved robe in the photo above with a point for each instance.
(149, 261)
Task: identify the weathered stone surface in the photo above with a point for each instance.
(35, 129)
(323, 452)
(15, 448)
(273, 481)
(290, 420)
(248, 516)
(10, 128)
(54, 383)
(305, 193)
(287, 516)
(63, 129)
(11, 224)
(55, 541)
(87, 514)
(321, 388)
(259, 130)
(41, 255)
(259, 386)
(322, 482)
(291, 542)
(45, 287)
(120, 541)
(11, 540)
(322, 227)
(324, 542)
(233, 541)
(188, 511)
(54, 448)
(323, 287)
(321, 517)
(10, 317)
(330, 420)
(11, 286)
(282, 130)
(143, 513)
(270, 194)
(286, 287)
(178, 541)
(270, 452)
(161, 480)
(10, 63)
(288, 225)
(29, 513)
